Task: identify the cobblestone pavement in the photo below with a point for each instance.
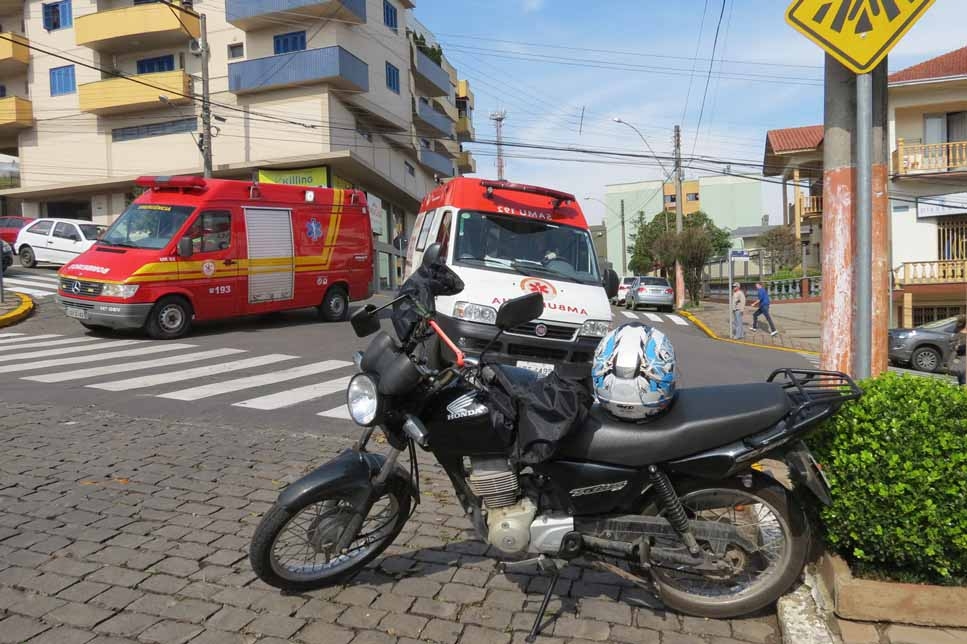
(116, 530)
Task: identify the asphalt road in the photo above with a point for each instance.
(286, 371)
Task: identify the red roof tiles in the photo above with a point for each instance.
(791, 139)
(953, 63)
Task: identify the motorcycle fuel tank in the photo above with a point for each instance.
(458, 423)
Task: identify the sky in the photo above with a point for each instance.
(563, 69)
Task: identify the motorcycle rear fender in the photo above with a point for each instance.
(802, 474)
(349, 475)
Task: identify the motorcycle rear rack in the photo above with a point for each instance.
(816, 394)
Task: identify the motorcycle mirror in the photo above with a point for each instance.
(519, 310)
(611, 282)
(431, 255)
(365, 322)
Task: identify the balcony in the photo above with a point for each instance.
(15, 114)
(929, 158)
(331, 65)
(256, 14)
(436, 162)
(431, 79)
(812, 207)
(463, 92)
(120, 95)
(142, 27)
(943, 272)
(466, 164)
(431, 122)
(465, 129)
(14, 54)
(448, 147)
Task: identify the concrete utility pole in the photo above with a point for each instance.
(206, 106)
(498, 119)
(624, 242)
(679, 276)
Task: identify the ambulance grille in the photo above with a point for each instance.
(80, 287)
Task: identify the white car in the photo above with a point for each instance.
(55, 241)
(623, 290)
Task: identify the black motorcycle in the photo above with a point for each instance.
(703, 505)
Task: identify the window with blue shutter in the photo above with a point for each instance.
(62, 80)
(158, 64)
(392, 78)
(58, 15)
(133, 132)
(390, 18)
(294, 41)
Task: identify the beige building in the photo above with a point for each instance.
(331, 92)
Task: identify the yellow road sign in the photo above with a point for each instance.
(857, 33)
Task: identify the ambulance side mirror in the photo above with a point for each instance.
(184, 247)
(611, 282)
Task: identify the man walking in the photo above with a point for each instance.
(762, 308)
(738, 308)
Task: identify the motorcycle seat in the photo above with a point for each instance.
(701, 418)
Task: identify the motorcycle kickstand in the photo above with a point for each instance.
(546, 566)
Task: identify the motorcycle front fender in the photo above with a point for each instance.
(349, 476)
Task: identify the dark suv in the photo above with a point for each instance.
(930, 347)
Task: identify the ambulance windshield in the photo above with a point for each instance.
(527, 246)
(147, 225)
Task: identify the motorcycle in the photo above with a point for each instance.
(682, 505)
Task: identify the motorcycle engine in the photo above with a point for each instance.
(508, 519)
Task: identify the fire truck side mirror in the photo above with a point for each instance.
(184, 247)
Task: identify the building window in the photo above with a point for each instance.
(390, 18)
(236, 50)
(392, 78)
(157, 64)
(927, 314)
(410, 170)
(62, 80)
(285, 43)
(3, 91)
(691, 196)
(58, 15)
(154, 129)
(669, 199)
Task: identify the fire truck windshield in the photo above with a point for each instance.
(523, 245)
(147, 225)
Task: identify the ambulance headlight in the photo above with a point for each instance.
(475, 312)
(124, 291)
(362, 398)
(595, 328)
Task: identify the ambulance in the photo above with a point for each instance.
(506, 239)
(204, 249)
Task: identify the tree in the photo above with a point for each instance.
(720, 239)
(780, 243)
(644, 257)
(695, 248)
(665, 249)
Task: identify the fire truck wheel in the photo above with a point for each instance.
(335, 305)
(170, 318)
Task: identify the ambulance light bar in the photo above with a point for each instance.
(558, 196)
(181, 181)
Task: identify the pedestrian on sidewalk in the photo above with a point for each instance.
(738, 308)
(762, 308)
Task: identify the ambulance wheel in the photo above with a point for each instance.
(335, 305)
(170, 318)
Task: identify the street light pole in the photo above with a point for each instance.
(679, 276)
(206, 105)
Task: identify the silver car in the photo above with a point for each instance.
(651, 291)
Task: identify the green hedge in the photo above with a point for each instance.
(897, 463)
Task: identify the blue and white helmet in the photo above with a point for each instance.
(634, 372)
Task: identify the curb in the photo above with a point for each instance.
(710, 333)
(25, 309)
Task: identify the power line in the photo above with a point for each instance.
(708, 78)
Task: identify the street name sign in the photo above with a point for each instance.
(857, 33)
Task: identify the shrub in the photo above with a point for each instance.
(897, 463)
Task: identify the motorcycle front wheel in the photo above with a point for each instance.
(765, 514)
(293, 549)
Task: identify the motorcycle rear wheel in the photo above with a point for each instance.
(790, 519)
(322, 529)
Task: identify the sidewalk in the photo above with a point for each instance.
(798, 324)
(14, 308)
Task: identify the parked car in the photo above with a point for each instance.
(930, 347)
(10, 227)
(55, 241)
(651, 291)
(6, 250)
(623, 289)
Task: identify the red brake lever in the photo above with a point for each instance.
(448, 342)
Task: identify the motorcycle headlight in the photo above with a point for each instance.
(475, 312)
(123, 291)
(595, 328)
(362, 398)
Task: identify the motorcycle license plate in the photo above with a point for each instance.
(537, 367)
(77, 314)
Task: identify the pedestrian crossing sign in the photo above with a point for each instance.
(857, 33)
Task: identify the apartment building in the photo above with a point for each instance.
(94, 93)
(731, 202)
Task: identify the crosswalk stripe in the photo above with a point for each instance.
(249, 382)
(97, 357)
(34, 276)
(342, 411)
(97, 346)
(134, 366)
(10, 335)
(189, 374)
(629, 314)
(30, 281)
(652, 317)
(26, 338)
(44, 344)
(677, 320)
(27, 291)
(296, 396)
